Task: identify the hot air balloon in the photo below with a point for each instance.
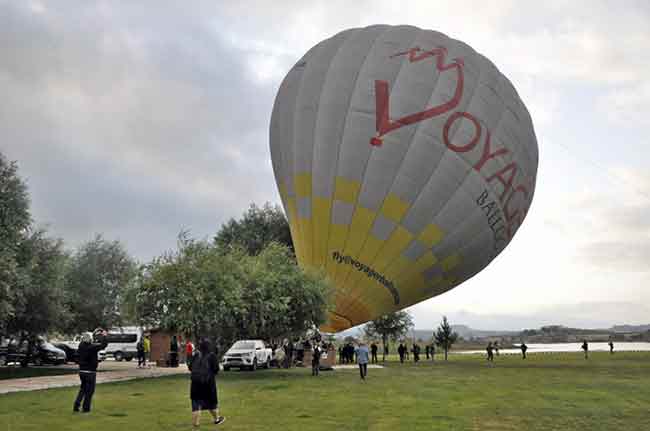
(405, 162)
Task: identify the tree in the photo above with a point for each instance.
(257, 228)
(38, 306)
(15, 219)
(203, 289)
(98, 278)
(444, 336)
(389, 326)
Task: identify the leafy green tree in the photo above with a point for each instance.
(389, 326)
(98, 279)
(15, 219)
(256, 228)
(39, 303)
(226, 294)
(444, 336)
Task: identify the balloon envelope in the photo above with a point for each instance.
(405, 162)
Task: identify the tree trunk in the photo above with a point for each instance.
(384, 341)
(446, 350)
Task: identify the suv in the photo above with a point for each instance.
(247, 354)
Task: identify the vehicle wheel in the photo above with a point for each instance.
(118, 356)
(38, 362)
(254, 366)
(226, 368)
(128, 358)
(268, 363)
(3, 361)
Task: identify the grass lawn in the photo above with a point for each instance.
(544, 392)
(17, 372)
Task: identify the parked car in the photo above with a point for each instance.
(42, 353)
(122, 343)
(71, 347)
(247, 354)
(71, 351)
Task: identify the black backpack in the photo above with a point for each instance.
(201, 371)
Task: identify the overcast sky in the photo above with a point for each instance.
(139, 120)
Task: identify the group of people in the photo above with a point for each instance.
(494, 347)
(347, 353)
(403, 352)
(143, 351)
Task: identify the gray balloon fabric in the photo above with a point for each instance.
(405, 162)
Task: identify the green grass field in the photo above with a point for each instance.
(545, 392)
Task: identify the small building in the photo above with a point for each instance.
(160, 343)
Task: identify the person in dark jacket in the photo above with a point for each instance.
(88, 368)
(173, 352)
(401, 350)
(585, 347)
(140, 349)
(203, 388)
(416, 353)
(523, 348)
(490, 352)
(373, 353)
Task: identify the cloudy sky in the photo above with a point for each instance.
(139, 120)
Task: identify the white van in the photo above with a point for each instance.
(122, 343)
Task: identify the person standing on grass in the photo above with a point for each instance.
(315, 360)
(362, 359)
(585, 347)
(140, 349)
(416, 353)
(203, 387)
(400, 351)
(490, 353)
(373, 350)
(426, 350)
(523, 348)
(432, 348)
(88, 368)
(611, 347)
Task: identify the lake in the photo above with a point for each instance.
(621, 346)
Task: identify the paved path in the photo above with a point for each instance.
(115, 372)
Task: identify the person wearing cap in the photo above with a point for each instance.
(88, 368)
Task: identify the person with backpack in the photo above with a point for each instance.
(88, 367)
(203, 389)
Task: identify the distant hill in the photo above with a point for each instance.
(466, 332)
(463, 331)
(630, 328)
